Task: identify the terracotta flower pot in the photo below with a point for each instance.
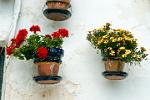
(58, 10)
(48, 68)
(58, 4)
(114, 65)
(114, 70)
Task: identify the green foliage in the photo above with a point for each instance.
(28, 49)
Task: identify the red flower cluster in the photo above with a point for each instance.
(21, 36)
(9, 50)
(16, 42)
(64, 32)
(42, 52)
(56, 35)
(61, 33)
(35, 28)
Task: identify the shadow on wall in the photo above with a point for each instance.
(2, 56)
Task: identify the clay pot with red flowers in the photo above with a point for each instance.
(58, 10)
(45, 50)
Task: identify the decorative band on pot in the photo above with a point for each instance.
(55, 52)
(54, 55)
(58, 10)
(58, 60)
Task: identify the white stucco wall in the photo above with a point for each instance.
(82, 66)
(6, 14)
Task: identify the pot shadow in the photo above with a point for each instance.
(113, 88)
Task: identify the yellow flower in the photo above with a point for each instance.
(129, 39)
(127, 52)
(124, 55)
(100, 41)
(110, 48)
(143, 49)
(112, 53)
(120, 39)
(106, 41)
(138, 56)
(98, 28)
(105, 36)
(114, 40)
(122, 48)
(111, 38)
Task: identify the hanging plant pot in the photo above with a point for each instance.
(48, 73)
(48, 68)
(114, 70)
(45, 50)
(58, 10)
(117, 46)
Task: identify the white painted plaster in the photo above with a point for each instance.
(82, 66)
(6, 12)
(11, 10)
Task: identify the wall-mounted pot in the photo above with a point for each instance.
(48, 68)
(114, 70)
(58, 10)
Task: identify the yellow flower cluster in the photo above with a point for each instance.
(127, 52)
(116, 43)
(114, 35)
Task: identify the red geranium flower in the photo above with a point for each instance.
(21, 36)
(42, 52)
(56, 35)
(35, 28)
(14, 43)
(64, 32)
(9, 50)
(49, 36)
(13, 40)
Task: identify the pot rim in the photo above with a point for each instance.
(113, 59)
(47, 63)
(64, 1)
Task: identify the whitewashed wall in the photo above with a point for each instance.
(6, 13)
(82, 66)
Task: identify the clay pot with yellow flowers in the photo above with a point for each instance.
(118, 47)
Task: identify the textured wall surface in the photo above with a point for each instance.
(6, 12)
(82, 66)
